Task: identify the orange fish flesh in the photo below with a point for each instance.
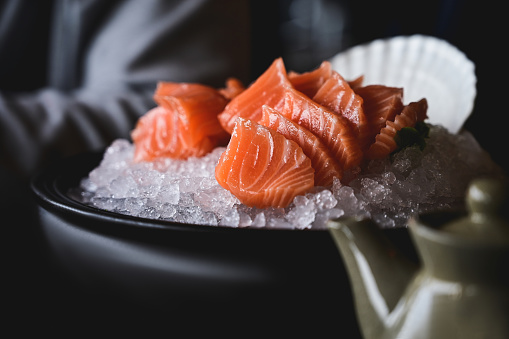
(381, 104)
(333, 130)
(262, 168)
(385, 143)
(309, 82)
(267, 89)
(233, 88)
(326, 168)
(337, 95)
(184, 124)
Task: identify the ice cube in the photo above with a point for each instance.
(103, 192)
(244, 219)
(322, 217)
(230, 218)
(190, 184)
(259, 220)
(350, 202)
(169, 193)
(102, 176)
(88, 185)
(186, 199)
(149, 213)
(118, 155)
(408, 192)
(134, 205)
(122, 187)
(215, 199)
(280, 223)
(373, 191)
(303, 213)
(104, 203)
(388, 178)
(324, 200)
(200, 217)
(167, 211)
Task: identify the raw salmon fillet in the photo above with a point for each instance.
(337, 95)
(262, 168)
(357, 82)
(326, 168)
(333, 130)
(152, 137)
(309, 82)
(171, 88)
(381, 104)
(267, 89)
(184, 124)
(385, 143)
(233, 88)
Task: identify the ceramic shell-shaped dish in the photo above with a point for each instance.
(426, 67)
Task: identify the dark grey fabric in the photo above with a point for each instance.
(76, 74)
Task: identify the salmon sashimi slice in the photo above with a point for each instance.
(337, 95)
(197, 107)
(154, 137)
(385, 142)
(357, 82)
(262, 168)
(166, 88)
(333, 130)
(267, 89)
(309, 82)
(381, 104)
(184, 124)
(326, 168)
(233, 88)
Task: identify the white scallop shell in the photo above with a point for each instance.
(426, 67)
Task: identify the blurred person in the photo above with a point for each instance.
(76, 74)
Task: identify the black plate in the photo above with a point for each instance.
(250, 272)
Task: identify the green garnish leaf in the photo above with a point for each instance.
(410, 136)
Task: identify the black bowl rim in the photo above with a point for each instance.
(51, 186)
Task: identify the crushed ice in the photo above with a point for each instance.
(389, 191)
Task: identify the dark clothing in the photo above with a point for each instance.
(76, 74)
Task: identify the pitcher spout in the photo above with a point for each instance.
(379, 274)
